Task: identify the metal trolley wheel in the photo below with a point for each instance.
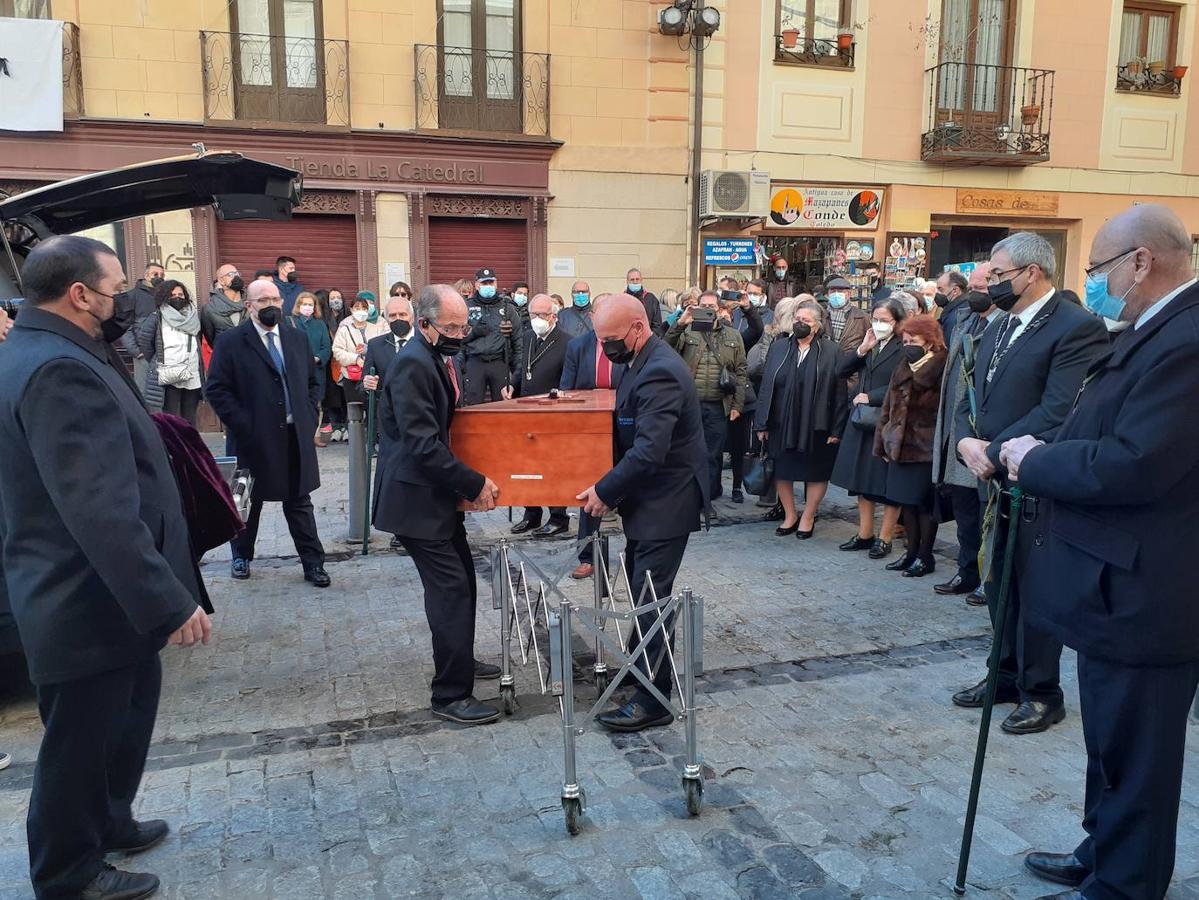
(694, 788)
(508, 698)
(574, 807)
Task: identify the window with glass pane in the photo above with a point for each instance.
(254, 44)
(1149, 33)
(299, 39)
(457, 37)
(25, 9)
(501, 36)
(1195, 255)
(815, 19)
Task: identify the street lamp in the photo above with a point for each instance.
(672, 21)
(706, 21)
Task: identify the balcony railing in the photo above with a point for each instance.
(1150, 78)
(463, 89)
(275, 80)
(813, 51)
(987, 115)
(72, 72)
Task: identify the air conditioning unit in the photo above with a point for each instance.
(733, 195)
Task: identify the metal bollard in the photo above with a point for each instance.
(356, 504)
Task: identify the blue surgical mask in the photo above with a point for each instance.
(520, 299)
(836, 301)
(780, 274)
(487, 291)
(1102, 303)
(582, 299)
(634, 288)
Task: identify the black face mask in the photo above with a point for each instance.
(1004, 295)
(177, 302)
(941, 300)
(978, 301)
(401, 327)
(913, 352)
(156, 280)
(801, 330)
(616, 351)
(268, 316)
(236, 283)
(293, 277)
(121, 321)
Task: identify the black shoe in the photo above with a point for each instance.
(919, 569)
(525, 525)
(857, 543)
(955, 585)
(633, 716)
(898, 565)
(240, 569)
(977, 597)
(395, 543)
(737, 496)
(776, 514)
(1033, 717)
(143, 836)
(549, 529)
(113, 884)
(972, 697)
(318, 576)
(784, 530)
(806, 535)
(1064, 895)
(880, 549)
(468, 711)
(1060, 868)
(486, 671)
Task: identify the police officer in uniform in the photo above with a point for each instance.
(493, 348)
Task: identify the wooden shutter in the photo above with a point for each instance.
(459, 247)
(325, 248)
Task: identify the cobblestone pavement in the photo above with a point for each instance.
(295, 756)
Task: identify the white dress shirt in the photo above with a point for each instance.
(262, 333)
(1026, 318)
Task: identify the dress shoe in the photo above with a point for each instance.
(142, 837)
(898, 565)
(977, 597)
(857, 543)
(113, 884)
(396, 544)
(549, 529)
(920, 568)
(5, 760)
(1064, 895)
(776, 514)
(784, 530)
(737, 496)
(1033, 717)
(582, 570)
(955, 585)
(633, 716)
(1060, 868)
(524, 525)
(318, 576)
(806, 535)
(486, 671)
(320, 441)
(240, 569)
(467, 711)
(880, 549)
(972, 697)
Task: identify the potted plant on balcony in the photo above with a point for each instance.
(790, 38)
(1030, 114)
(1156, 67)
(845, 40)
(1180, 72)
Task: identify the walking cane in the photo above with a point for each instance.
(984, 728)
(370, 449)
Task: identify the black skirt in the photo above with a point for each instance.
(814, 465)
(910, 484)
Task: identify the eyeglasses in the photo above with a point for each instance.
(1095, 268)
(546, 316)
(452, 331)
(997, 275)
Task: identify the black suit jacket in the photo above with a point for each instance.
(660, 480)
(96, 559)
(578, 368)
(420, 479)
(876, 368)
(1110, 568)
(541, 363)
(246, 393)
(954, 315)
(380, 354)
(1037, 379)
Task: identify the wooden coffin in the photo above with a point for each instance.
(540, 451)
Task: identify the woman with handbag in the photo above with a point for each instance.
(349, 346)
(905, 437)
(170, 341)
(801, 413)
(857, 469)
(308, 319)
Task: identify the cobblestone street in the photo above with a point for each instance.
(296, 757)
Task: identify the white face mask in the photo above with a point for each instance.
(361, 315)
(540, 327)
(304, 310)
(757, 299)
(883, 330)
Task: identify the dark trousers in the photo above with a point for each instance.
(1134, 722)
(558, 515)
(181, 402)
(588, 525)
(661, 560)
(716, 426)
(88, 770)
(738, 443)
(447, 573)
(301, 521)
(483, 377)
(1030, 659)
(967, 513)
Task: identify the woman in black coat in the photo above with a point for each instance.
(801, 413)
(857, 469)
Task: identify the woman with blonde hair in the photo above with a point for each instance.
(755, 360)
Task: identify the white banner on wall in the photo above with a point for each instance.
(30, 75)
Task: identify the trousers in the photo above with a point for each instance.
(660, 559)
(588, 525)
(482, 377)
(716, 426)
(89, 766)
(1134, 723)
(967, 513)
(447, 573)
(182, 402)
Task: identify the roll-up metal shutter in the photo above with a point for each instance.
(325, 248)
(460, 247)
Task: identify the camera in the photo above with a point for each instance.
(703, 318)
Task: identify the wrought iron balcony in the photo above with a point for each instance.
(72, 72)
(463, 89)
(987, 115)
(1152, 78)
(274, 80)
(813, 51)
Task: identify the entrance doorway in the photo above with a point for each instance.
(953, 244)
(810, 257)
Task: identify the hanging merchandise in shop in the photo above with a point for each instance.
(906, 260)
(809, 206)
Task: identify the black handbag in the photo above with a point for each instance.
(866, 417)
(759, 474)
(727, 381)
